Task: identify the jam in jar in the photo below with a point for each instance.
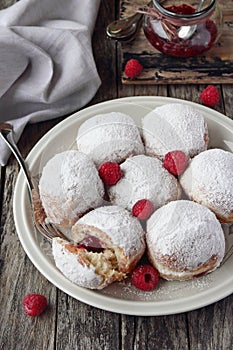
(180, 29)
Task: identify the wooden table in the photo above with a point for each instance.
(68, 323)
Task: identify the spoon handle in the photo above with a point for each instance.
(6, 132)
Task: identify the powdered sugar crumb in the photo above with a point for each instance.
(164, 291)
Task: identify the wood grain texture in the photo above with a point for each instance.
(68, 323)
(6, 3)
(215, 66)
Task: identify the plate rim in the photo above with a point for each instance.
(105, 302)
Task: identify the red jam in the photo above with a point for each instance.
(203, 38)
(91, 244)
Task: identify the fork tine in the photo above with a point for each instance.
(44, 232)
(48, 230)
(53, 230)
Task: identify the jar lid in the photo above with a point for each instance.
(185, 17)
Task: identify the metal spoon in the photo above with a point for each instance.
(124, 28)
(185, 32)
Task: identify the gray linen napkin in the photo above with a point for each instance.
(46, 63)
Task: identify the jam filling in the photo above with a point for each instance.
(201, 41)
(91, 244)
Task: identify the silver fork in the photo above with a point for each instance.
(47, 229)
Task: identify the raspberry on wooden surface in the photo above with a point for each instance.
(133, 68)
(210, 96)
(34, 304)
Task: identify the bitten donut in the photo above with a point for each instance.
(69, 187)
(174, 126)
(86, 269)
(208, 180)
(109, 242)
(109, 137)
(144, 177)
(184, 240)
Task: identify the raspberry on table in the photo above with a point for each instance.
(110, 173)
(143, 209)
(34, 304)
(210, 96)
(133, 68)
(175, 162)
(145, 277)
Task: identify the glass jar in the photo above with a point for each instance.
(178, 28)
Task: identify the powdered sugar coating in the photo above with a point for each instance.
(124, 230)
(69, 264)
(183, 237)
(70, 186)
(209, 180)
(174, 126)
(109, 137)
(144, 177)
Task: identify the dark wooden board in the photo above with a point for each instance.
(215, 66)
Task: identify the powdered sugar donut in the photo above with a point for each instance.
(69, 187)
(144, 177)
(174, 126)
(184, 240)
(118, 230)
(86, 269)
(208, 180)
(109, 243)
(109, 137)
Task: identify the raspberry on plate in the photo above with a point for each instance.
(133, 68)
(210, 96)
(175, 162)
(34, 304)
(143, 209)
(145, 277)
(110, 173)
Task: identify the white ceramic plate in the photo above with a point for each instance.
(169, 297)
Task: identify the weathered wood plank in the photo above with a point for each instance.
(155, 333)
(211, 327)
(19, 277)
(83, 327)
(104, 51)
(228, 98)
(6, 3)
(215, 66)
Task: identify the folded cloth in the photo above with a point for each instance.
(47, 68)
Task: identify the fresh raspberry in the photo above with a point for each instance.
(175, 162)
(34, 304)
(110, 173)
(143, 209)
(145, 277)
(133, 68)
(210, 96)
